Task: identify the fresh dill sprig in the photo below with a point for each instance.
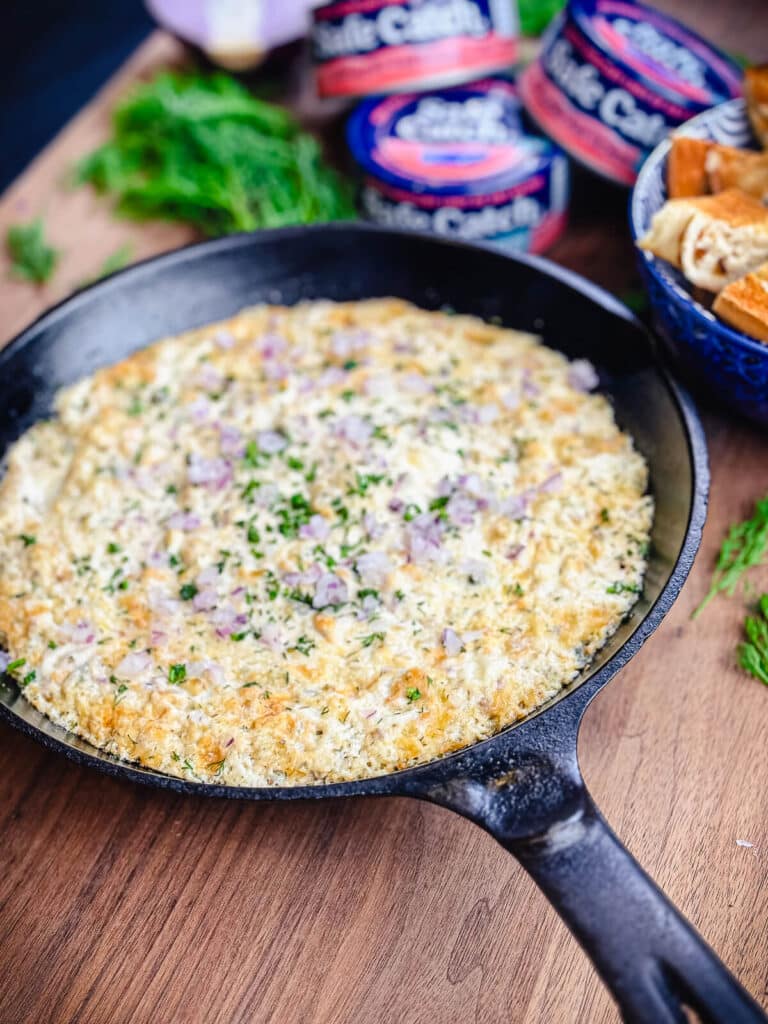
(32, 257)
(201, 149)
(753, 654)
(744, 547)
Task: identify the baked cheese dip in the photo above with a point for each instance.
(317, 543)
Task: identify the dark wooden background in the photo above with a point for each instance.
(120, 904)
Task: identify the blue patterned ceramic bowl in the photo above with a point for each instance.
(730, 365)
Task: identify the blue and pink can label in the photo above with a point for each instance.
(614, 77)
(458, 163)
(362, 47)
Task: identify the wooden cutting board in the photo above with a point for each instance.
(120, 904)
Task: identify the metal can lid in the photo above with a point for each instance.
(655, 48)
(468, 140)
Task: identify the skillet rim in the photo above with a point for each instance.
(420, 777)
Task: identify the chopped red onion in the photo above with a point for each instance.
(229, 742)
(271, 442)
(275, 371)
(510, 399)
(317, 528)
(451, 641)
(158, 559)
(231, 441)
(415, 384)
(472, 485)
(353, 429)
(530, 387)
(345, 343)
(199, 410)
(329, 590)
(551, 484)
(81, 633)
(461, 509)
(373, 528)
(183, 521)
(5, 660)
(298, 579)
(396, 505)
(368, 607)
(515, 551)
(330, 377)
(271, 346)
(213, 473)
(374, 567)
(224, 339)
(133, 665)
(209, 377)
(516, 506)
(205, 600)
(424, 539)
(207, 577)
(582, 375)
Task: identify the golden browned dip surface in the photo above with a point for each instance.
(319, 543)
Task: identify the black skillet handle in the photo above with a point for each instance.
(651, 959)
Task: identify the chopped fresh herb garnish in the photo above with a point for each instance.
(136, 407)
(177, 673)
(368, 592)
(31, 256)
(753, 654)
(237, 637)
(438, 505)
(744, 547)
(400, 595)
(253, 534)
(187, 591)
(113, 549)
(123, 585)
(218, 766)
(413, 693)
(29, 678)
(517, 590)
(350, 364)
(372, 638)
(246, 685)
(253, 457)
(303, 645)
(27, 539)
(605, 515)
(312, 474)
(18, 663)
(273, 587)
(622, 588)
(171, 489)
(52, 645)
(174, 561)
(348, 395)
(411, 511)
(294, 463)
(363, 481)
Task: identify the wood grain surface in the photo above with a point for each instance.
(121, 905)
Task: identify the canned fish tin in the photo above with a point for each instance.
(373, 46)
(458, 163)
(614, 77)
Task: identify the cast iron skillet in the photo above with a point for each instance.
(524, 784)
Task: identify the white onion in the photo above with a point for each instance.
(213, 473)
(270, 637)
(424, 539)
(205, 600)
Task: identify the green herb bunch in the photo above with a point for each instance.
(753, 654)
(201, 149)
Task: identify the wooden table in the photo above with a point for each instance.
(120, 904)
